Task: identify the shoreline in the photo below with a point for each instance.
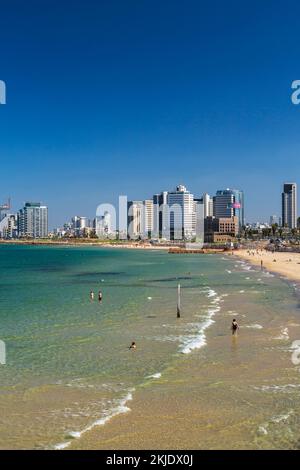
(81, 244)
(173, 249)
(287, 264)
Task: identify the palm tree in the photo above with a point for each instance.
(274, 229)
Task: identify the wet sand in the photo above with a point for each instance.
(286, 264)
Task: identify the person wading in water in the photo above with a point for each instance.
(234, 327)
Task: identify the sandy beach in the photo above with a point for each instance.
(286, 264)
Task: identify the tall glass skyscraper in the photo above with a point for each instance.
(289, 205)
(229, 203)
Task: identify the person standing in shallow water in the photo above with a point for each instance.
(92, 295)
(100, 296)
(234, 327)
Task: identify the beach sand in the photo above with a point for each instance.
(286, 264)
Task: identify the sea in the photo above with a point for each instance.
(68, 365)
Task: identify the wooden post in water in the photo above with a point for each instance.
(178, 301)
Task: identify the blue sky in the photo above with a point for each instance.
(132, 97)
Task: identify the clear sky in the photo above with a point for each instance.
(109, 97)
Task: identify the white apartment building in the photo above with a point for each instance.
(135, 219)
(148, 204)
(182, 214)
(33, 220)
(8, 226)
(103, 226)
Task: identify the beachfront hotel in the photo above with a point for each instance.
(289, 205)
(182, 223)
(33, 220)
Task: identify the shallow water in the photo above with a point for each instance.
(68, 363)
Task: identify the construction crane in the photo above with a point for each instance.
(4, 208)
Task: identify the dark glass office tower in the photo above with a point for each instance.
(289, 205)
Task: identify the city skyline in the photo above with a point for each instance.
(139, 95)
(150, 216)
(90, 214)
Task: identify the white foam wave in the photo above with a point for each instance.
(280, 418)
(255, 326)
(287, 388)
(262, 430)
(211, 293)
(119, 409)
(198, 340)
(284, 334)
(62, 445)
(246, 267)
(157, 375)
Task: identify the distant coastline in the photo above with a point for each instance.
(100, 244)
(172, 248)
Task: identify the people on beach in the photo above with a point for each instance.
(92, 295)
(133, 345)
(261, 264)
(100, 296)
(234, 326)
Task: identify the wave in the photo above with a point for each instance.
(157, 375)
(198, 340)
(287, 388)
(255, 326)
(284, 334)
(119, 409)
(211, 293)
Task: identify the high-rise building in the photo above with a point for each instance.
(148, 203)
(198, 219)
(289, 205)
(208, 206)
(273, 220)
(33, 220)
(229, 203)
(161, 219)
(103, 227)
(8, 226)
(79, 224)
(182, 213)
(135, 219)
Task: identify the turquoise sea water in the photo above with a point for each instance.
(68, 363)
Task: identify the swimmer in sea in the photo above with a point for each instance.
(234, 326)
(133, 345)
